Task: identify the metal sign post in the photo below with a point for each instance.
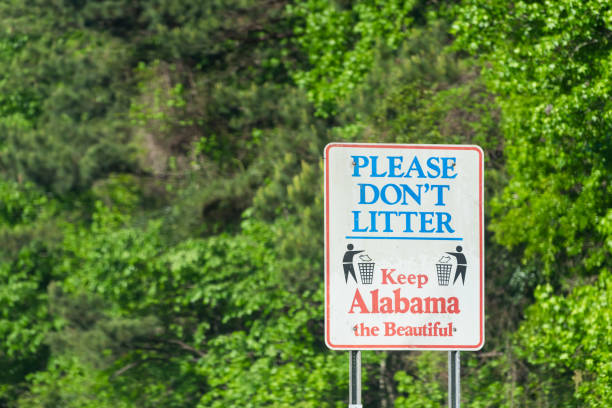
(355, 379)
(454, 379)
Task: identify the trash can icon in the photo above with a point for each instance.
(366, 271)
(444, 272)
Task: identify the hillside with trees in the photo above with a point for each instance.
(161, 195)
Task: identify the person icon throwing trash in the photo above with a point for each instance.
(347, 262)
(461, 264)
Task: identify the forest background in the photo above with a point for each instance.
(161, 195)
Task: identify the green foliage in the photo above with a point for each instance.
(569, 336)
(550, 62)
(69, 383)
(65, 123)
(161, 199)
(27, 260)
(129, 313)
(24, 320)
(427, 391)
(20, 204)
(340, 43)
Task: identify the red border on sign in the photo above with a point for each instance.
(480, 343)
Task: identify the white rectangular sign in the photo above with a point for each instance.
(404, 247)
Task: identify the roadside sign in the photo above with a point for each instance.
(404, 247)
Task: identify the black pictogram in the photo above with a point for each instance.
(461, 264)
(347, 262)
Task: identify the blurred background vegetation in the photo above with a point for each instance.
(161, 195)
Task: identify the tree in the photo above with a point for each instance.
(550, 64)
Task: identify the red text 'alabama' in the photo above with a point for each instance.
(400, 304)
